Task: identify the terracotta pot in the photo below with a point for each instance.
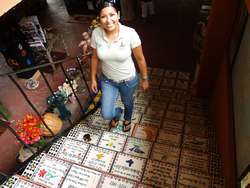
(53, 122)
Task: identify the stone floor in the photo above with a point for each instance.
(171, 144)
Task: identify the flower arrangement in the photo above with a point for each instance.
(29, 129)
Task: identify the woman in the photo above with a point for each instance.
(113, 45)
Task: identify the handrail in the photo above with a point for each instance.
(55, 137)
(42, 65)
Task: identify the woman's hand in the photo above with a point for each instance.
(144, 85)
(93, 86)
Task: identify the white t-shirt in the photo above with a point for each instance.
(116, 60)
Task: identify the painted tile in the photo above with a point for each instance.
(152, 120)
(81, 133)
(196, 129)
(143, 186)
(194, 160)
(195, 143)
(159, 174)
(165, 153)
(168, 82)
(136, 117)
(172, 125)
(183, 75)
(109, 181)
(79, 177)
(179, 116)
(99, 123)
(70, 150)
(128, 166)
(144, 96)
(189, 178)
(145, 132)
(119, 129)
(112, 141)
(201, 120)
(157, 72)
(138, 147)
(99, 158)
(170, 138)
(31, 167)
(154, 81)
(17, 182)
(182, 84)
(51, 171)
(176, 108)
(170, 74)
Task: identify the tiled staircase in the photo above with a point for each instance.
(171, 144)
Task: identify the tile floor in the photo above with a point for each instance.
(171, 144)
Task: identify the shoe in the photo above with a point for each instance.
(126, 126)
(114, 122)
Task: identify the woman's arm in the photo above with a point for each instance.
(93, 70)
(140, 59)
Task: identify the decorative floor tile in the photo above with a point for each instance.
(144, 96)
(194, 160)
(112, 141)
(170, 138)
(99, 158)
(175, 115)
(145, 132)
(68, 149)
(143, 186)
(99, 123)
(128, 166)
(31, 167)
(170, 74)
(168, 82)
(139, 109)
(152, 120)
(196, 129)
(119, 129)
(154, 81)
(195, 143)
(167, 93)
(182, 84)
(109, 181)
(138, 147)
(159, 98)
(189, 178)
(176, 108)
(159, 174)
(17, 182)
(165, 153)
(136, 117)
(183, 75)
(172, 125)
(157, 72)
(80, 177)
(51, 171)
(81, 133)
(140, 102)
(201, 120)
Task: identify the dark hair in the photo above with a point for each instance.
(107, 3)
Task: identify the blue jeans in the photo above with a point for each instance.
(110, 91)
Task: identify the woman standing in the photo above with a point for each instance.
(113, 45)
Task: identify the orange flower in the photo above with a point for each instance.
(29, 129)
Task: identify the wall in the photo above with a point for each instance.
(221, 114)
(241, 96)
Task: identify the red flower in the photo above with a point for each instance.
(29, 129)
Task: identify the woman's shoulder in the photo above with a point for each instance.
(127, 29)
(97, 31)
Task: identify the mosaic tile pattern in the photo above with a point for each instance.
(128, 166)
(99, 158)
(171, 144)
(159, 174)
